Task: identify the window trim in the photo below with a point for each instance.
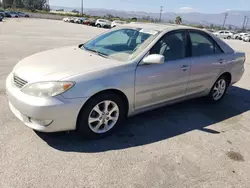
(173, 32)
(208, 37)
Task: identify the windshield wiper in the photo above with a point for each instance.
(96, 52)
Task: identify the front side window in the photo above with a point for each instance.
(120, 44)
(202, 45)
(172, 46)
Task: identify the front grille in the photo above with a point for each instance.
(19, 82)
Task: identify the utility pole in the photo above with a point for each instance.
(82, 8)
(247, 19)
(225, 19)
(161, 13)
(243, 27)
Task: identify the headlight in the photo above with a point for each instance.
(47, 89)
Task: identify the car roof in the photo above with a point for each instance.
(159, 27)
(171, 27)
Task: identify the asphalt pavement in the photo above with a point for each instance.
(192, 144)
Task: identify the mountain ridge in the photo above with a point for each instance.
(235, 17)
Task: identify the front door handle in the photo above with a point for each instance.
(184, 67)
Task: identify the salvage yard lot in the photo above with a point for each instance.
(192, 144)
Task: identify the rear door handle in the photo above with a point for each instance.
(221, 61)
(184, 67)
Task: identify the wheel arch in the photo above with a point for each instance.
(113, 91)
(228, 76)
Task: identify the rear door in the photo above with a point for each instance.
(208, 61)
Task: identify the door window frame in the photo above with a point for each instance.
(173, 32)
(208, 37)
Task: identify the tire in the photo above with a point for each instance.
(98, 25)
(90, 130)
(224, 83)
(229, 37)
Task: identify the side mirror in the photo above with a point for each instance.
(154, 59)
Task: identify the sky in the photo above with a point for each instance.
(202, 6)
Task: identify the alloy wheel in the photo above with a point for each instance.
(103, 117)
(219, 89)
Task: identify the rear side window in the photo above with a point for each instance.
(202, 45)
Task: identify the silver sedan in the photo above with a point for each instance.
(93, 87)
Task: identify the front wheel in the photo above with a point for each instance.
(101, 115)
(218, 90)
(229, 37)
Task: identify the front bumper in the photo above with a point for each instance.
(61, 113)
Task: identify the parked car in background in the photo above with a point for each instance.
(2, 14)
(224, 34)
(103, 23)
(67, 19)
(90, 21)
(243, 35)
(246, 38)
(7, 14)
(13, 14)
(22, 14)
(117, 22)
(79, 20)
(120, 73)
(72, 20)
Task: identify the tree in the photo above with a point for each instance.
(75, 11)
(178, 20)
(147, 18)
(110, 16)
(7, 3)
(134, 19)
(200, 26)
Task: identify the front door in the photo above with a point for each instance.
(158, 83)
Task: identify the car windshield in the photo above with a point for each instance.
(122, 44)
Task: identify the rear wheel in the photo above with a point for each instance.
(219, 89)
(229, 37)
(101, 116)
(98, 25)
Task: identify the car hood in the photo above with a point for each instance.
(61, 63)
